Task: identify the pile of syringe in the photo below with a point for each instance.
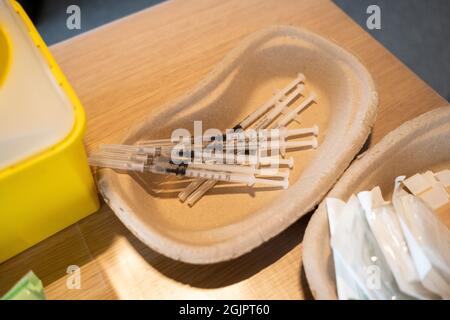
(253, 152)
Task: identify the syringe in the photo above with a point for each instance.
(115, 152)
(257, 136)
(255, 143)
(201, 189)
(110, 159)
(293, 113)
(279, 146)
(239, 169)
(269, 104)
(236, 159)
(253, 135)
(186, 171)
(266, 119)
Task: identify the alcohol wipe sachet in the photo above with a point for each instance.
(428, 240)
(385, 226)
(347, 287)
(354, 242)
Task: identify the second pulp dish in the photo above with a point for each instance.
(416, 146)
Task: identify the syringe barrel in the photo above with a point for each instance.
(155, 142)
(121, 156)
(280, 105)
(116, 164)
(280, 94)
(194, 185)
(291, 115)
(200, 191)
(258, 113)
(220, 176)
(272, 172)
(223, 167)
(128, 148)
(301, 131)
(275, 183)
(305, 143)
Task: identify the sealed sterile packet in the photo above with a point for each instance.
(385, 226)
(428, 240)
(347, 287)
(354, 242)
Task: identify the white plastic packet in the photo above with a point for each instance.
(428, 240)
(385, 226)
(428, 188)
(444, 177)
(358, 250)
(347, 286)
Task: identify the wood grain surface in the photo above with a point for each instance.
(123, 69)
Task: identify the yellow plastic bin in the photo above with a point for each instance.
(45, 181)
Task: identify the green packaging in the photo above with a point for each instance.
(28, 288)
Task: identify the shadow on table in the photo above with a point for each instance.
(50, 260)
(229, 272)
(81, 243)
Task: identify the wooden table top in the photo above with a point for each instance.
(123, 69)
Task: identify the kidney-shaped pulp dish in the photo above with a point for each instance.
(416, 146)
(233, 219)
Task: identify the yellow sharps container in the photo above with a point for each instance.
(45, 181)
